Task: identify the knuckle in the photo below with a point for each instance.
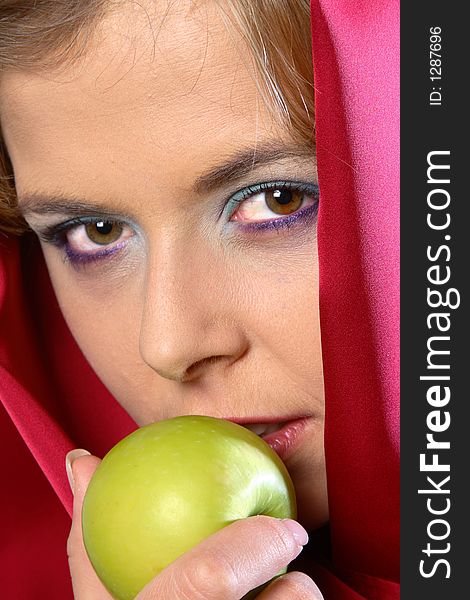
(206, 577)
(282, 543)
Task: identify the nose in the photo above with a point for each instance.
(188, 329)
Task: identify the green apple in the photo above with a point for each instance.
(167, 486)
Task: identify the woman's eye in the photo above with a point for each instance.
(268, 204)
(93, 239)
(98, 233)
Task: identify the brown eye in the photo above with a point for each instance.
(103, 232)
(284, 201)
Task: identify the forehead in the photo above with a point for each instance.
(156, 80)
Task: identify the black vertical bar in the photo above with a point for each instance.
(435, 270)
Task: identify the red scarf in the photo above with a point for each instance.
(51, 401)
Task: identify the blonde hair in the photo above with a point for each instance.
(55, 33)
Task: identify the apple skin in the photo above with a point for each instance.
(169, 485)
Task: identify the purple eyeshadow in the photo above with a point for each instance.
(303, 214)
(78, 259)
(306, 217)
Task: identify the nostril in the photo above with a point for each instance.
(200, 365)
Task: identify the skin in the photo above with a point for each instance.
(195, 315)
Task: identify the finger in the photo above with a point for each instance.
(85, 582)
(292, 586)
(231, 562)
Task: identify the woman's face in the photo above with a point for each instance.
(178, 222)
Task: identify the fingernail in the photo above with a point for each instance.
(71, 456)
(298, 532)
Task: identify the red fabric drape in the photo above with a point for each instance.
(51, 401)
(356, 67)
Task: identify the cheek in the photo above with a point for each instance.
(103, 316)
(284, 314)
(272, 298)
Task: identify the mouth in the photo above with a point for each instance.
(283, 436)
(264, 429)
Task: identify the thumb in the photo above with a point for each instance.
(80, 468)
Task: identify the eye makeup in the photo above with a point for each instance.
(305, 214)
(57, 235)
(78, 258)
(60, 234)
(252, 190)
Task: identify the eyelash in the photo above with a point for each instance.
(278, 223)
(57, 234)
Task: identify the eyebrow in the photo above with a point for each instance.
(233, 169)
(245, 161)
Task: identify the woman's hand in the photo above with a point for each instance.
(225, 566)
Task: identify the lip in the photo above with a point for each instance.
(285, 440)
